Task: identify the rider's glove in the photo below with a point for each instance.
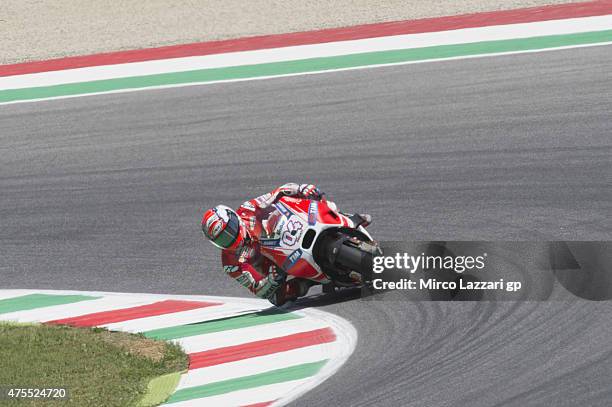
(269, 284)
(310, 191)
(267, 287)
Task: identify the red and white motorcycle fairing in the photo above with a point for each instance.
(291, 230)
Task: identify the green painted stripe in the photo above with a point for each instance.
(307, 65)
(287, 374)
(32, 301)
(218, 325)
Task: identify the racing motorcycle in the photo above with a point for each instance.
(311, 239)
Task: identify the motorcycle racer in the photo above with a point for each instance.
(237, 234)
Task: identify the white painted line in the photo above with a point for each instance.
(330, 49)
(336, 353)
(6, 294)
(327, 71)
(260, 364)
(346, 335)
(74, 309)
(180, 318)
(256, 303)
(200, 343)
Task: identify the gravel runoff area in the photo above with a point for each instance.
(39, 29)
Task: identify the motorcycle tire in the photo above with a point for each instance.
(356, 257)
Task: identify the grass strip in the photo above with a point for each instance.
(159, 389)
(98, 367)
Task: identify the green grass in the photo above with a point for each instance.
(99, 368)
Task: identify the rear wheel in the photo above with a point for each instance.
(353, 256)
(348, 260)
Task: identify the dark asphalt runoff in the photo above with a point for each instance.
(106, 193)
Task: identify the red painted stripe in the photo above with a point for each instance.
(264, 404)
(260, 348)
(554, 12)
(125, 314)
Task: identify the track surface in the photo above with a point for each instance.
(106, 193)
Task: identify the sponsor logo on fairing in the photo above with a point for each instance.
(282, 209)
(266, 242)
(292, 259)
(292, 234)
(313, 210)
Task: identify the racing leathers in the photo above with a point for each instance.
(248, 266)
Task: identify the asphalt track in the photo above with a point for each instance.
(106, 193)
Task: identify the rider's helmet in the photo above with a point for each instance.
(224, 228)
